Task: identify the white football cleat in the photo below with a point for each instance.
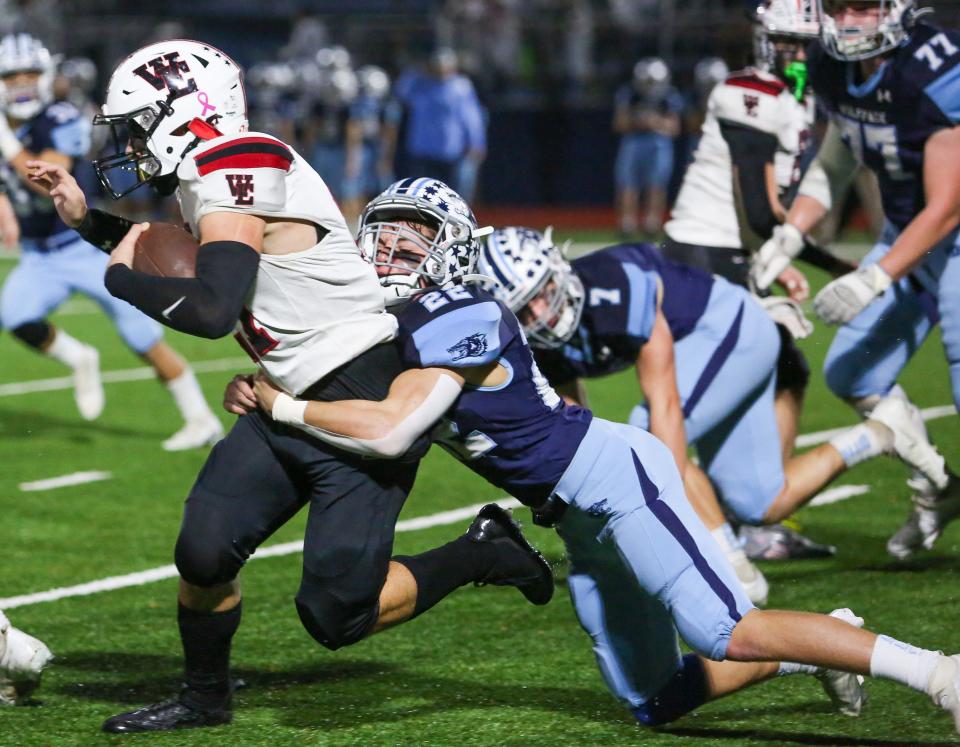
(910, 441)
(22, 660)
(203, 431)
(87, 386)
(944, 687)
(844, 689)
(931, 511)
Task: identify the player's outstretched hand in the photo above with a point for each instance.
(122, 253)
(844, 298)
(794, 283)
(238, 397)
(265, 392)
(775, 255)
(68, 198)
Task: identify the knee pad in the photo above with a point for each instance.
(33, 333)
(205, 562)
(331, 622)
(684, 691)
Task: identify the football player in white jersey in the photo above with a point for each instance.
(759, 123)
(277, 261)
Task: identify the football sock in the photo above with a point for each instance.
(444, 569)
(187, 394)
(66, 349)
(725, 537)
(792, 667)
(903, 663)
(862, 442)
(206, 640)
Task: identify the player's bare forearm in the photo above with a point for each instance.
(941, 213)
(666, 423)
(805, 213)
(923, 233)
(364, 419)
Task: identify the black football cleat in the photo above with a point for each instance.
(518, 563)
(166, 716)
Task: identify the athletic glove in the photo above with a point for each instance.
(776, 253)
(844, 298)
(787, 312)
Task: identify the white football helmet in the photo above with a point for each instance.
(884, 30)
(650, 75)
(794, 19)
(161, 101)
(709, 72)
(22, 53)
(374, 81)
(449, 257)
(526, 264)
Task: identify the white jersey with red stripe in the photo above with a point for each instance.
(705, 213)
(307, 312)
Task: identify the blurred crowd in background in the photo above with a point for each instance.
(521, 102)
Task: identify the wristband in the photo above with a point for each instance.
(102, 229)
(791, 239)
(288, 410)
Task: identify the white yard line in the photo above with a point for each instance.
(837, 494)
(125, 374)
(287, 548)
(75, 478)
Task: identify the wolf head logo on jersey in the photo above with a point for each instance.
(469, 347)
(161, 101)
(26, 76)
(419, 233)
(867, 29)
(535, 281)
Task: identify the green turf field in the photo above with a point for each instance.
(482, 668)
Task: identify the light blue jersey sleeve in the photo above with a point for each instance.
(644, 287)
(462, 337)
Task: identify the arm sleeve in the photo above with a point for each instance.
(831, 171)
(751, 150)
(102, 229)
(205, 306)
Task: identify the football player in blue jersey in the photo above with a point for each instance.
(705, 353)
(891, 85)
(56, 261)
(643, 565)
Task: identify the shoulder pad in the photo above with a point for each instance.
(243, 151)
(465, 335)
(748, 100)
(244, 173)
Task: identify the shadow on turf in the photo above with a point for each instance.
(137, 679)
(786, 737)
(142, 678)
(29, 423)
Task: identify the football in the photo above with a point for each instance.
(166, 250)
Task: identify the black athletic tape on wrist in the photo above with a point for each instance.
(102, 229)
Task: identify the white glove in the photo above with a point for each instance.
(787, 312)
(844, 298)
(776, 253)
(10, 147)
